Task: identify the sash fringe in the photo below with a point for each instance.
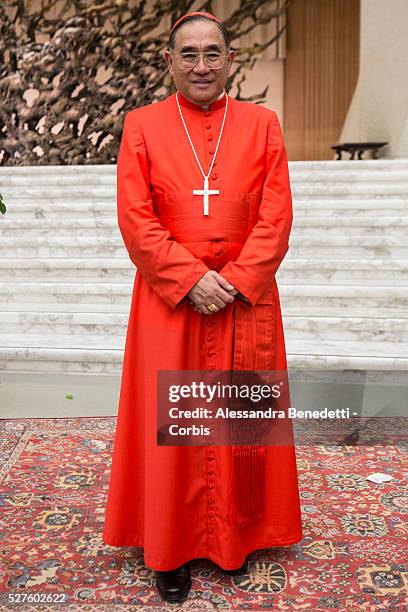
(253, 348)
(246, 495)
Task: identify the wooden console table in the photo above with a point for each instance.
(358, 147)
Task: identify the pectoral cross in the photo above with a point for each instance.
(205, 192)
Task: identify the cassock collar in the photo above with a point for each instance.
(219, 103)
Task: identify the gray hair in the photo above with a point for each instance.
(194, 18)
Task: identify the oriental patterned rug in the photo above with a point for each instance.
(53, 484)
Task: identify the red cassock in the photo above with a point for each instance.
(171, 500)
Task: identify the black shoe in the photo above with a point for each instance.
(174, 585)
(241, 571)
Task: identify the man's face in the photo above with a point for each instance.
(201, 84)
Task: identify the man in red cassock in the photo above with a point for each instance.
(205, 211)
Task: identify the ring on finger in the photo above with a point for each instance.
(212, 307)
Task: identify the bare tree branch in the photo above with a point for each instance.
(63, 100)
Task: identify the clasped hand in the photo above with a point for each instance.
(212, 288)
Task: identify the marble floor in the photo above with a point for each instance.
(35, 395)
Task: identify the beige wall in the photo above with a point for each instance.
(379, 108)
(266, 72)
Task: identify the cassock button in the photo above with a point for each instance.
(218, 252)
(212, 151)
(211, 530)
(210, 500)
(209, 137)
(207, 114)
(208, 126)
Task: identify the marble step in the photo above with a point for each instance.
(27, 211)
(346, 165)
(346, 190)
(63, 323)
(353, 175)
(339, 272)
(341, 355)
(101, 360)
(99, 170)
(55, 181)
(110, 361)
(353, 226)
(62, 180)
(65, 240)
(68, 270)
(351, 248)
(93, 229)
(320, 300)
(371, 271)
(344, 301)
(319, 360)
(23, 305)
(334, 184)
(98, 324)
(345, 246)
(303, 346)
(42, 192)
(397, 231)
(358, 209)
(23, 296)
(62, 245)
(10, 226)
(67, 278)
(99, 248)
(70, 341)
(12, 235)
(15, 224)
(43, 171)
(342, 347)
(104, 193)
(356, 329)
(292, 270)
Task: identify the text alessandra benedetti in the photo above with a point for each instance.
(268, 413)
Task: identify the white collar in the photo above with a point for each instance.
(219, 97)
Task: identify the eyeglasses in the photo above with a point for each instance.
(212, 59)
